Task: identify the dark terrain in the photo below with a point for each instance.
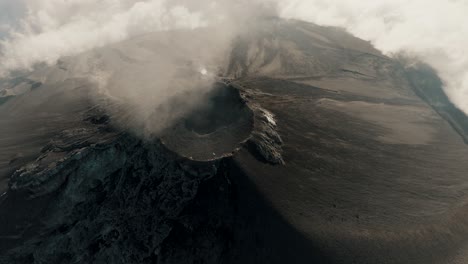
(313, 147)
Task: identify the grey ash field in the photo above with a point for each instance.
(315, 148)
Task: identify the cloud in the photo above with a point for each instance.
(51, 29)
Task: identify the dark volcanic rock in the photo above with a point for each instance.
(113, 200)
(325, 151)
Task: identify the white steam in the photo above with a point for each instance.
(156, 77)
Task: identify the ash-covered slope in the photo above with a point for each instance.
(315, 148)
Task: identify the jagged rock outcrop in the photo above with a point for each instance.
(264, 141)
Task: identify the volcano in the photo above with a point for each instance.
(310, 146)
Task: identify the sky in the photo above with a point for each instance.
(435, 31)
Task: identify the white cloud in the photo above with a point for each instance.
(55, 28)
